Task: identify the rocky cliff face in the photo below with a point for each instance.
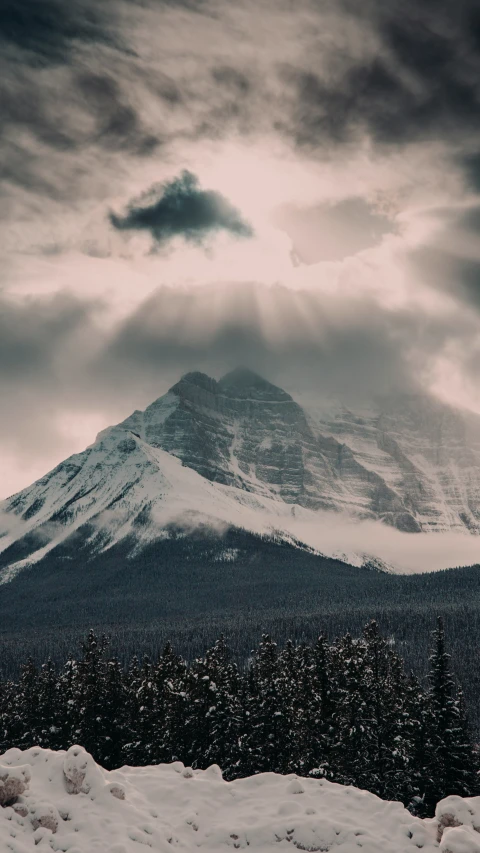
(410, 462)
(427, 453)
(245, 432)
(241, 448)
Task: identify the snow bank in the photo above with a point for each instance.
(62, 801)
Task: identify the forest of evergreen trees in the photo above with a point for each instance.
(344, 710)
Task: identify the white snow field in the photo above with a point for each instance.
(63, 801)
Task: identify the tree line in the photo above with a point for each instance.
(344, 710)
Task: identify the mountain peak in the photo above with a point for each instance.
(197, 378)
(196, 387)
(240, 383)
(243, 382)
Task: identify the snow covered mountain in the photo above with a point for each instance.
(241, 452)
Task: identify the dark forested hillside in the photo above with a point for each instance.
(191, 588)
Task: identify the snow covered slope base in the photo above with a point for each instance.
(63, 801)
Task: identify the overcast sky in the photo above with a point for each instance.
(291, 184)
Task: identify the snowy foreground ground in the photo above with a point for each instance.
(63, 801)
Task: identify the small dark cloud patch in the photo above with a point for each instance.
(50, 250)
(165, 87)
(182, 208)
(94, 249)
(231, 78)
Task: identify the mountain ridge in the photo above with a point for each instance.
(243, 452)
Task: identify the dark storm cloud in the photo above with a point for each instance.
(118, 124)
(33, 330)
(471, 167)
(181, 208)
(72, 72)
(55, 353)
(318, 349)
(45, 32)
(421, 82)
(232, 79)
(51, 96)
(22, 107)
(44, 348)
(449, 261)
(175, 331)
(97, 112)
(445, 270)
(470, 220)
(23, 169)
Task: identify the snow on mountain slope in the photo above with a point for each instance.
(67, 802)
(426, 452)
(241, 452)
(124, 486)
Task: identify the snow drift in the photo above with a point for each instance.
(63, 801)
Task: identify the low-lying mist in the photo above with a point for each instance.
(338, 535)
